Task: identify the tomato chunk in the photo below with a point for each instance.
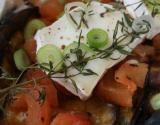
(39, 100)
(156, 41)
(113, 92)
(132, 73)
(144, 50)
(51, 90)
(71, 119)
(51, 9)
(19, 104)
(30, 47)
(40, 108)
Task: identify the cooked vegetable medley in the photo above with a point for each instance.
(72, 62)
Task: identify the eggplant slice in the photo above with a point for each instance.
(142, 113)
(13, 22)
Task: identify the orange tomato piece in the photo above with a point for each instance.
(144, 50)
(63, 90)
(18, 104)
(71, 119)
(37, 73)
(113, 92)
(51, 9)
(40, 108)
(156, 41)
(131, 74)
(30, 46)
(39, 100)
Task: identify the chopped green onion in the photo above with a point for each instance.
(32, 27)
(50, 55)
(97, 38)
(155, 102)
(21, 59)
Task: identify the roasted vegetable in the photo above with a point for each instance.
(154, 119)
(71, 119)
(12, 23)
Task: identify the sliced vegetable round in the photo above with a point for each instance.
(50, 53)
(155, 102)
(21, 59)
(32, 27)
(97, 38)
(83, 47)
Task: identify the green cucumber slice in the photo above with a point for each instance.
(32, 27)
(97, 38)
(50, 53)
(21, 59)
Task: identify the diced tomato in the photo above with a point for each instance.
(30, 47)
(39, 100)
(144, 50)
(51, 9)
(47, 22)
(132, 73)
(113, 92)
(18, 104)
(63, 90)
(34, 73)
(40, 108)
(71, 119)
(37, 73)
(156, 41)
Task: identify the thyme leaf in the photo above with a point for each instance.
(128, 20)
(74, 84)
(42, 96)
(88, 72)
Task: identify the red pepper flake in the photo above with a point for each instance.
(63, 47)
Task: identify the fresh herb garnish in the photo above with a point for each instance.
(127, 33)
(153, 5)
(42, 96)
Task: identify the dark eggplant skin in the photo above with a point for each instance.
(154, 119)
(13, 22)
(141, 113)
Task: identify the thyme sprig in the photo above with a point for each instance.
(154, 6)
(127, 33)
(79, 64)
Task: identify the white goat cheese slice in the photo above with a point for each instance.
(62, 33)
